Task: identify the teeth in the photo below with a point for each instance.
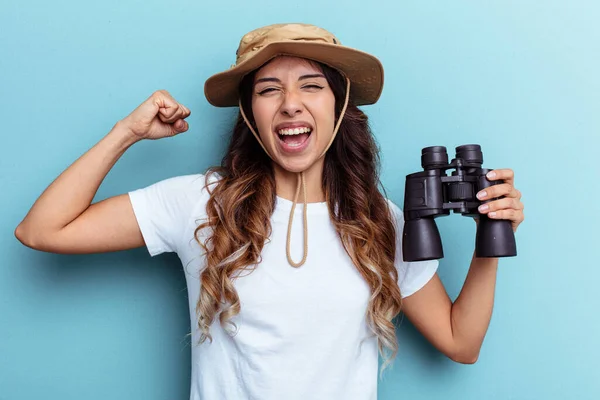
(294, 131)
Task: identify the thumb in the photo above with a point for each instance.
(179, 126)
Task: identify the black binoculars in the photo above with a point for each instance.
(432, 193)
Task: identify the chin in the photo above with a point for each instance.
(296, 164)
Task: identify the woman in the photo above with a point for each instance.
(291, 309)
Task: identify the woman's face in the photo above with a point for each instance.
(294, 109)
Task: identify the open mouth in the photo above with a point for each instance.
(294, 137)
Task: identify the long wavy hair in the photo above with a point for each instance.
(242, 202)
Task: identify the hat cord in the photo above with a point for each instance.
(301, 182)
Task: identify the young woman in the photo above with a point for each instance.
(295, 301)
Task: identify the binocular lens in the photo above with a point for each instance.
(421, 240)
(471, 153)
(434, 156)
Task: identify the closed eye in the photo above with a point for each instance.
(312, 87)
(266, 90)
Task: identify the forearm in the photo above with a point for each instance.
(472, 310)
(72, 192)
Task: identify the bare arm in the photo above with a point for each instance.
(458, 329)
(63, 220)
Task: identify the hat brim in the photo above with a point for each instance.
(364, 70)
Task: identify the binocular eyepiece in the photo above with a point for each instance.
(431, 193)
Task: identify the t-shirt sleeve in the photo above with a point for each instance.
(413, 275)
(163, 210)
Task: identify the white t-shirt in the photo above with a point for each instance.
(302, 332)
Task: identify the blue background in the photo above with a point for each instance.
(519, 77)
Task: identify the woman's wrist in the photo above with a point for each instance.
(123, 135)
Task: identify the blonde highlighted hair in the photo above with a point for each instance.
(241, 204)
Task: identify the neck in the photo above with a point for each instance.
(286, 182)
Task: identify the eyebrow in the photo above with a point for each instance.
(272, 79)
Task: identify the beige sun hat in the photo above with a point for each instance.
(363, 74)
(301, 40)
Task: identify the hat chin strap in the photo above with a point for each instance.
(301, 180)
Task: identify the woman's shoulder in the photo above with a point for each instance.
(187, 184)
(395, 211)
(181, 192)
(180, 185)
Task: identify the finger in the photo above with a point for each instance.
(507, 175)
(182, 112)
(171, 115)
(167, 106)
(510, 214)
(502, 204)
(503, 189)
(163, 99)
(169, 110)
(179, 126)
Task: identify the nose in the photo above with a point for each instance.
(292, 104)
